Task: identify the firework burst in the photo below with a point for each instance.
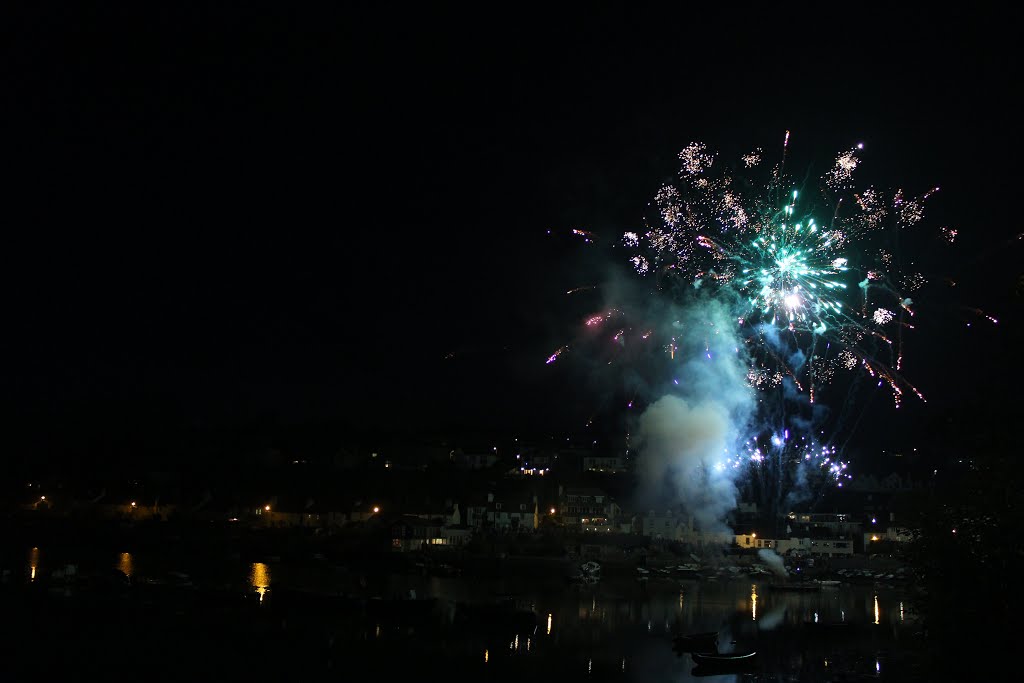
(758, 291)
(811, 294)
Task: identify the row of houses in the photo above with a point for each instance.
(524, 509)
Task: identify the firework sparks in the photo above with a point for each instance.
(553, 357)
(640, 264)
(585, 235)
(779, 463)
(841, 175)
(816, 282)
(695, 159)
(752, 159)
(596, 320)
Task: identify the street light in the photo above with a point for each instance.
(376, 509)
(267, 508)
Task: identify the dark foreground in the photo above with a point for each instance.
(612, 631)
(227, 615)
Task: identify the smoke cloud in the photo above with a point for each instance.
(685, 436)
(774, 562)
(772, 619)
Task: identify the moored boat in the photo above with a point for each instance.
(723, 657)
(723, 660)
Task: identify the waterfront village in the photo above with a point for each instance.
(556, 501)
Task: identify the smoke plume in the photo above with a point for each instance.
(686, 435)
(774, 562)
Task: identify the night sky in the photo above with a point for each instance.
(240, 220)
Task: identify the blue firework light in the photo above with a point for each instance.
(780, 468)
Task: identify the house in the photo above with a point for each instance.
(691, 534)
(835, 523)
(895, 534)
(587, 508)
(831, 546)
(541, 461)
(448, 515)
(752, 540)
(800, 546)
(509, 513)
(410, 533)
(677, 525)
(746, 511)
(457, 535)
(662, 524)
(287, 512)
(298, 512)
(474, 460)
(604, 463)
(135, 510)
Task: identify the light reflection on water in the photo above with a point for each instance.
(259, 578)
(126, 564)
(600, 626)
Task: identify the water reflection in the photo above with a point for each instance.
(259, 578)
(126, 563)
(794, 630)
